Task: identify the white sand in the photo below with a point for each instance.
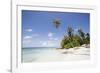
(72, 54)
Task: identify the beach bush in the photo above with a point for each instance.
(64, 41)
(67, 46)
(76, 43)
(71, 44)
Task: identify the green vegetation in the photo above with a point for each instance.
(72, 39)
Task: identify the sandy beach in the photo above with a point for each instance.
(52, 55)
(80, 53)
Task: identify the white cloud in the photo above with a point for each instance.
(29, 30)
(27, 37)
(50, 34)
(30, 36)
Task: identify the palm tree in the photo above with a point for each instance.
(88, 35)
(57, 23)
(81, 33)
(87, 38)
(70, 32)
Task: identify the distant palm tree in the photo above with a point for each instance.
(57, 23)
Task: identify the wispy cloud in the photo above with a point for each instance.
(29, 30)
(27, 37)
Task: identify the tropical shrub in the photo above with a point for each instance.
(67, 46)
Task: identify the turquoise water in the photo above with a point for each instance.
(34, 54)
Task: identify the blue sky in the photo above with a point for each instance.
(38, 29)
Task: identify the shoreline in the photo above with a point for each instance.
(52, 55)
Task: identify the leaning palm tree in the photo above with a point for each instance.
(57, 23)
